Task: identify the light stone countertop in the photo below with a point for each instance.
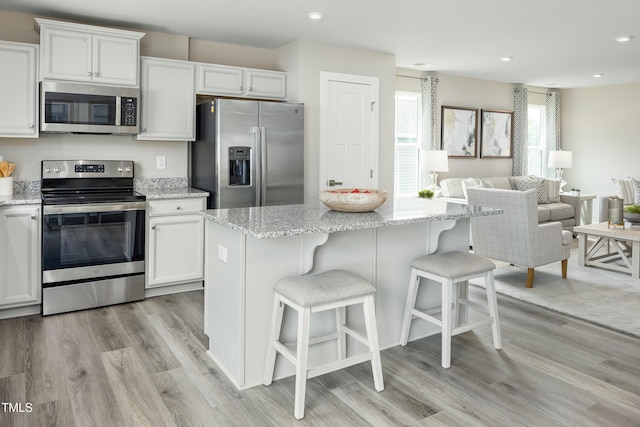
(30, 198)
(292, 220)
(171, 193)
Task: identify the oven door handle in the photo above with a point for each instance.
(93, 207)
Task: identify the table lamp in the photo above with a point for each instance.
(561, 160)
(435, 161)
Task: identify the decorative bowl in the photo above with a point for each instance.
(631, 217)
(353, 199)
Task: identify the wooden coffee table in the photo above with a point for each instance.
(615, 248)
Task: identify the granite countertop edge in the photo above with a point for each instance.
(172, 193)
(360, 222)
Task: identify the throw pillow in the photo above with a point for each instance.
(451, 187)
(624, 189)
(466, 183)
(518, 180)
(636, 190)
(538, 184)
(553, 190)
(486, 183)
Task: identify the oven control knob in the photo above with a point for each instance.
(127, 169)
(56, 169)
(47, 169)
(120, 169)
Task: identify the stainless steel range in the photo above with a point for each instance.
(93, 235)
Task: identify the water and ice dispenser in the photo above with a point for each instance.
(239, 165)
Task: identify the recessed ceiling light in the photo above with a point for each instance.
(506, 58)
(597, 76)
(315, 15)
(623, 39)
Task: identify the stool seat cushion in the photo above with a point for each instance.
(330, 286)
(453, 264)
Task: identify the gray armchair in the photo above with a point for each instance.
(516, 237)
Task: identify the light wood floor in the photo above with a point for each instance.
(144, 364)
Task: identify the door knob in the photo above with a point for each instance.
(333, 182)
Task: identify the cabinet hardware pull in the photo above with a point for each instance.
(34, 216)
(153, 227)
(178, 207)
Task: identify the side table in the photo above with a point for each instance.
(586, 207)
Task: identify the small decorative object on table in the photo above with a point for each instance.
(353, 199)
(575, 191)
(615, 211)
(632, 213)
(426, 194)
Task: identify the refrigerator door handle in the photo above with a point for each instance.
(257, 161)
(263, 165)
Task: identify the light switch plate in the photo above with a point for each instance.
(161, 162)
(222, 253)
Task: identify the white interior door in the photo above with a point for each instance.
(348, 131)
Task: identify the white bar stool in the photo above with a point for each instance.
(450, 269)
(333, 289)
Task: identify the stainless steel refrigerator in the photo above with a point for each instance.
(249, 153)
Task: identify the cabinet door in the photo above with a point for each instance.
(266, 84)
(115, 60)
(219, 80)
(18, 109)
(176, 249)
(66, 55)
(168, 100)
(19, 256)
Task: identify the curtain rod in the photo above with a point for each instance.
(420, 78)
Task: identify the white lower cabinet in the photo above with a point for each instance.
(175, 252)
(20, 283)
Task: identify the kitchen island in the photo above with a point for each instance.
(248, 249)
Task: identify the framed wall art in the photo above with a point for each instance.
(497, 136)
(459, 131)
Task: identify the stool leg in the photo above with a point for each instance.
(276, 325)
(302, 353)
(492, 302)
(342, 337)
(372, 337)
(447, 296)
(412, 294)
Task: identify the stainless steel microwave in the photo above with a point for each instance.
(68, 107)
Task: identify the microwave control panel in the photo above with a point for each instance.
(129, 111)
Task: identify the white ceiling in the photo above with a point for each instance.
(553, 42)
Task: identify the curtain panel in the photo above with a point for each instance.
(520, 131)
(553, 130)
(429, 86)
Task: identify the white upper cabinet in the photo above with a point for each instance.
(168, 96)
(220, 80)
(18, 84)
(266, 84)
(86, 53)
(240, 82)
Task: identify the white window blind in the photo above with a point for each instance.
(407, 143)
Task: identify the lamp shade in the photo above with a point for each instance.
(435, 160)
(560, 159)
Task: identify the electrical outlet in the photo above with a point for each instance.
(161, 162)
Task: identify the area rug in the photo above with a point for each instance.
(606, 298)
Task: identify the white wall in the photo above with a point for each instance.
(27, 153)
(601, 125)
(312, 58)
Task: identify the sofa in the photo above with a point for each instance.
(553, 206)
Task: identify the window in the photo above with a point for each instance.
(407, 143)
(537, 137)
